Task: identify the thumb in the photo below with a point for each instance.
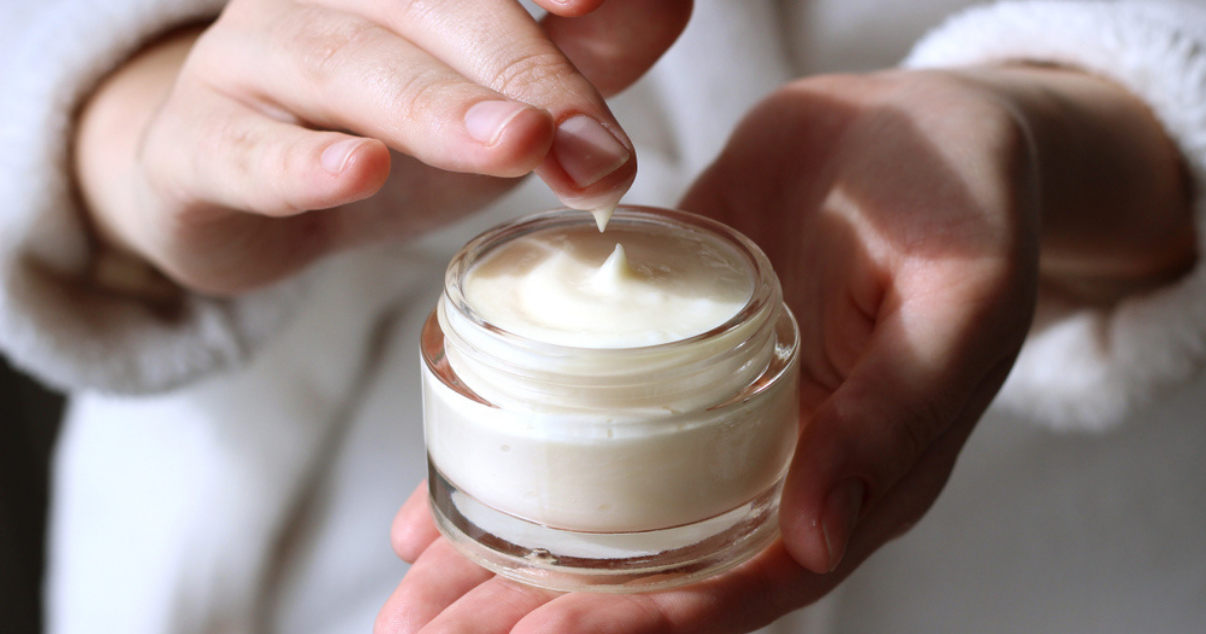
(924, 372)
(618, 42)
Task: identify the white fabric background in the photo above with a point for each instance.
(259, 500)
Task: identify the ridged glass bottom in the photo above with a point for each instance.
(568, 560)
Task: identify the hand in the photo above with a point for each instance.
(443, 591)
(912, 218)
(207, 154)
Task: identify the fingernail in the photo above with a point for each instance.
(841, 512)
(587, 151)
(336, 156)
(484, 121)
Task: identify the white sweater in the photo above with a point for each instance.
(234, 467)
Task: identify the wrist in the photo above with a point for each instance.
(108, 136)
(1115, 203)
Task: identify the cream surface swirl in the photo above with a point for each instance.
(624, 288)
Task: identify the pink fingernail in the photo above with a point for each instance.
(841, 511)
(336, 156)
(587, 151)
(486, 120)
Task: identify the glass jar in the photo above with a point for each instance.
(614, 469)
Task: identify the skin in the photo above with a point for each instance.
(914, 219)
(210, 168)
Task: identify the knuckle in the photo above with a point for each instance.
(238, 160)
(288, 196)
(328, 45)
(526, 72)
(229, 145)
(419, 91)
(922, 422)
(158, 149)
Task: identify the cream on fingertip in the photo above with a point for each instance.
(603, 215)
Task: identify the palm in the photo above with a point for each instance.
(910, 264)
(898, 249)
(869, 214)
(445, 590)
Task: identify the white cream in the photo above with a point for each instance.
(602, 216)
(623, 471)
(620, 289)
(614, 400)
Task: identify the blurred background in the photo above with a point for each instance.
(29, 415)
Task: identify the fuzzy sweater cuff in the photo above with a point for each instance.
(1090, 367)
(55, 320)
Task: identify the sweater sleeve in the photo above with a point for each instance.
(1090, 367)
(56, 321)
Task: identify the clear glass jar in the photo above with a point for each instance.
(610, 469)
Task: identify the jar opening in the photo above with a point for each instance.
(498, 362)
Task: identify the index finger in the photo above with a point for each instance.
(498, 45)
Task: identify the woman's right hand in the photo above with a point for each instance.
(208, 153)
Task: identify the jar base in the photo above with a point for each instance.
(572, 561)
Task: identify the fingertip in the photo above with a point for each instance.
(590, 165)
(587, 151)
(804, 537)
(811, 515)
(512, 138)
(329, 170)
(570, 8)
(839, 515)
(603, 196)
(337, 155)
(413, 529)
(356, 167)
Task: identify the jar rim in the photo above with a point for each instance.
(765, 292)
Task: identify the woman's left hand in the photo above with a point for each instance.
(905, 213)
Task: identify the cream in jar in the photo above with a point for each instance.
(600, 405)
